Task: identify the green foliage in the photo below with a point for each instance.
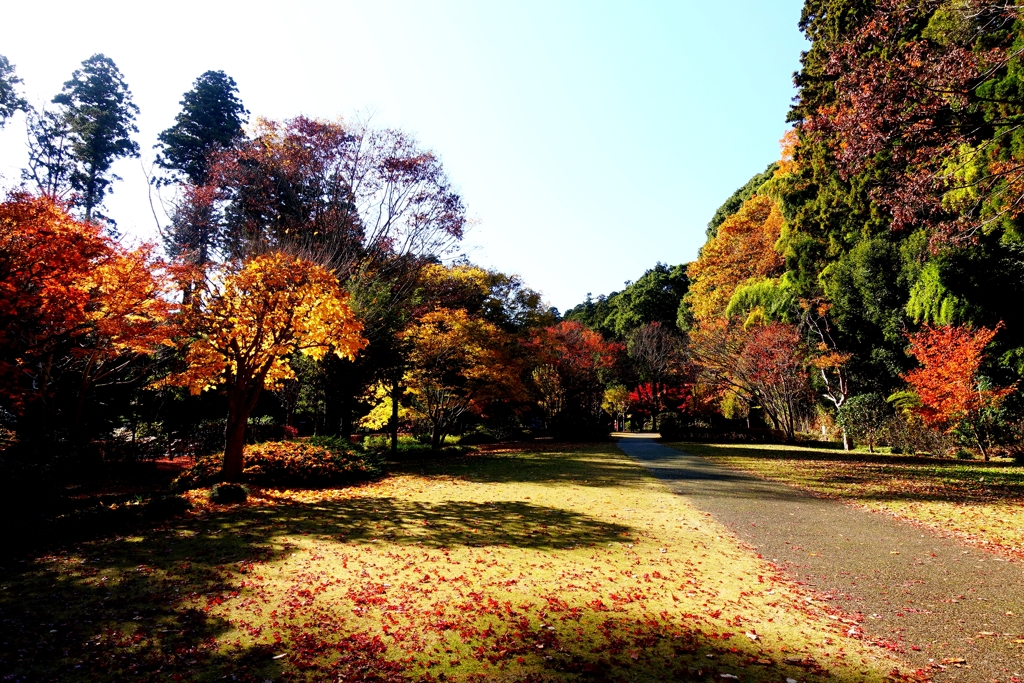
(735, 201)
(10, 100)
(931, 301)
(655, 297)
(211, 118)
(99, 115)
(767, 299)
(864, 417)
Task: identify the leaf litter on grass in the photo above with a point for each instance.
(571, 564)
(980, 503)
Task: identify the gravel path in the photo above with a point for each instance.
(937, 599)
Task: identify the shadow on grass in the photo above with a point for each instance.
(559, 464)
(132, 608)
(117, 616)
(122, 616)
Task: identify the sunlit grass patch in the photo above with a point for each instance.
(560, 565)
(980, 502)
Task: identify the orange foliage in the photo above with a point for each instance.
(241, 329)
(458, 363)
(947, 381)
(67, 294)
(743, 250)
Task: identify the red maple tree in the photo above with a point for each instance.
(947, 383)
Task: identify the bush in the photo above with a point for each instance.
(476, 438)
(228, 494)
(669, 425)
(318, 461)
(910, 436)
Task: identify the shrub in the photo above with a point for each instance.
(228, 494)
(476, 438)
(318, 461)
(669, 425)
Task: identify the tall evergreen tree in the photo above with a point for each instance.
(98, 116)
(10, 100)
(211, 118)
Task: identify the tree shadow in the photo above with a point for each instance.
(558, 464)
(62, 621)
(118, 614)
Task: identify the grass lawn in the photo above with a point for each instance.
(980, 502)
(568, 564)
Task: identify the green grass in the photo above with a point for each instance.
(570, 564)
(977, 501)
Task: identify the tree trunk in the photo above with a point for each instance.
(234, 445)
(847, 443)
(981, 444)
(394, 416)
(240, 404)
(435, 437)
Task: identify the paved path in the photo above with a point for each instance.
(949, 600)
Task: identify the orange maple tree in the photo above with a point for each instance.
(71, 299)
(458, 363)
(742, 251)
(947, 383)
(572, 360)
(241, 325)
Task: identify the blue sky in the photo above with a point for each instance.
(589, 140)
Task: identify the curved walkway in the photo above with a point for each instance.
(935, 598)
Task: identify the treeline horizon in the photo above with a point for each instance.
(865, 287)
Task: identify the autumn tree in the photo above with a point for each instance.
(240, 328)
(578, 360)
(764, 363)
(72, 303)
(742, 251)
(616, 403)
(344, 194)
(458, 363)
(952, 393)
(657, 354)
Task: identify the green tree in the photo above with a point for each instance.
(863, 417)
(10, 100)
(97, 110)
(654, 298)
(211, 118)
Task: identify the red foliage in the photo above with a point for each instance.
(647, 400)
(69, 298)
(947, 381)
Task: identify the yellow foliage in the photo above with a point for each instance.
(380, 415)
(742, 251)
(273, 306)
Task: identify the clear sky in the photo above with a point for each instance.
(589, 139)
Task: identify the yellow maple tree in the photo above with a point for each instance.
(241, 325)
(458, 363)
(742, 251)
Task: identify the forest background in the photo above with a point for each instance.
(864, 287)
